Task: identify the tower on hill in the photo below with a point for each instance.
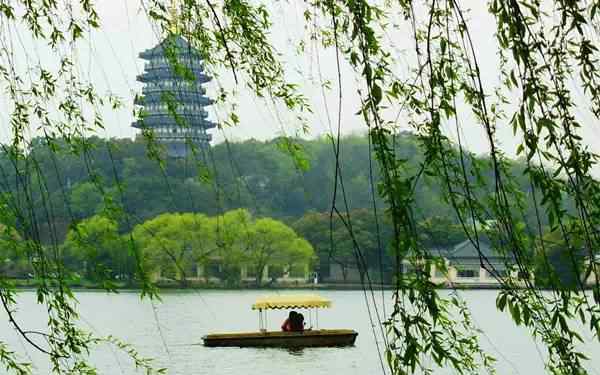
(173, 99)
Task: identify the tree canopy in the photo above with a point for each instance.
(177, 240)
(174, 245)
(96, 244)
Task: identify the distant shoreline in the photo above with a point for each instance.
(22, 284)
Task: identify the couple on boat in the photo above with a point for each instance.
(294, 323)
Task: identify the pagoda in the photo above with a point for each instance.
(173, 99)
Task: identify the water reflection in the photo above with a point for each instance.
(298, 352)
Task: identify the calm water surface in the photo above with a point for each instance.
(170, 331)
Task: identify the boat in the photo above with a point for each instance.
(311, 337)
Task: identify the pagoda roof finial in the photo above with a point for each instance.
(173, 17)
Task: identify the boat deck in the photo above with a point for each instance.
(308, 338)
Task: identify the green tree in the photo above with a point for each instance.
(233, 236)
(86, 200)
(272, 243)
(559, 263)
(259, 242)
(175, 243)
(96, 246)
(440, 232)
(363, 248)
(14, 261)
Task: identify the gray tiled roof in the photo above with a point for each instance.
(467, 249)
(466, 252)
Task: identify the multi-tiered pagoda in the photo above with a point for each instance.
(173, 98)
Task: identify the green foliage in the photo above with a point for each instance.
(86, 200)
(561, 263)
(440, 232)
(175, 243)
(11, 365)
(14, 261)
(334, 243)
(541, 48)
(140, 363)
(251, 174)
(257, 243)
(271, 242)
(96, 244)
(538, 54)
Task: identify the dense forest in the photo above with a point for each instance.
(261, 177)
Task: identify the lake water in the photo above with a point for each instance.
(170, 331)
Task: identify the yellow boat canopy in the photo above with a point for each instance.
(294, 301)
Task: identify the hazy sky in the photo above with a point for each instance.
(109, 56)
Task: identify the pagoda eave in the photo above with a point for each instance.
(165, 74)
(166, 117)
(149, 123)
(179, 97)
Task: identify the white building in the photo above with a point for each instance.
(468, 266)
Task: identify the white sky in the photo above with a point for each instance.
(125, 31)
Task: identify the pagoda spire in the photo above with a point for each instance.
(174, 24)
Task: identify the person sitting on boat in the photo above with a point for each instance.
(298, 322)
(288, 324)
